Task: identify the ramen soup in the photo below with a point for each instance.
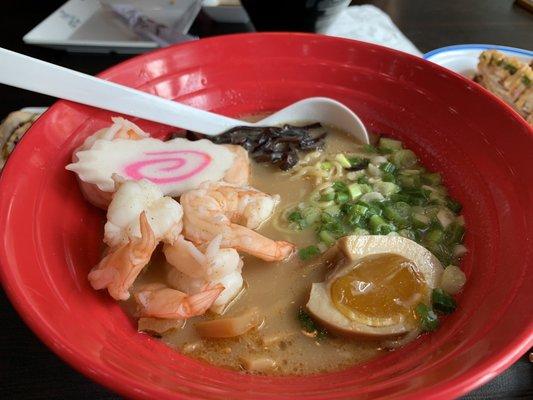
(344, 250)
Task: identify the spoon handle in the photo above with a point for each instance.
(39, 76)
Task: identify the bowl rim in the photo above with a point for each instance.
(113, 380)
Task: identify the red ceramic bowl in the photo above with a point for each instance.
(51, 237)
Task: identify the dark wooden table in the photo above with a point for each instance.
(28, 370)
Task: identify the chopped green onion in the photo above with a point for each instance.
(362, 179)
(360, 209)
(361, 232)
(339, 186)
(308, 252)
(432, 179)
(309, 326)
(327, 219)
(368, 148)
(341, 158)
(409, 181)
(407, 233)
(400, 197)
(442, 301)
(355, 190)
(327, 237)
(378, 226)
(386, 188)
(327, 196)
(388, 177)
(295, 216)
(311, 215)
(404, 158)
(454, 233)
(389, 145)
(427, 317)
(333, 210)
(342, 198)
(399, 213)
(326, 165)
(434, 235)
(453, 205)
(373, 208)
(365, 188)
(355, 219)
(388, 167)
(420, 220)
(357, 163)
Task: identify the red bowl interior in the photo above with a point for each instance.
(51, 237)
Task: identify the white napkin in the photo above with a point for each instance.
(369, 24)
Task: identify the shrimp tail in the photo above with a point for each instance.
(198, 304)
(147, 242)
(164, 302)
(100, 278)
(118, 270)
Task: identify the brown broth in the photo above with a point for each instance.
(277, 290)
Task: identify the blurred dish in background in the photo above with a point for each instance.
(13, 127)
(225, 11)
(160, 21)
(87, 26)
(293, 15)
(504, 71)
(463, 58)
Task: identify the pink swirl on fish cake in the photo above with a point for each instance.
(177, 160)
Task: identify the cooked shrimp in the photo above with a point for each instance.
(239, 172)
(130, 200)
(221, 208)
(157, 300)
(120, 267)
(121, 129)
(194, 269)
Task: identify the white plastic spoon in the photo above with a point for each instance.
(38, 76)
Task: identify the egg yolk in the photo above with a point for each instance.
(380, 286)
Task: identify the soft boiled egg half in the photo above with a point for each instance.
(375, 286)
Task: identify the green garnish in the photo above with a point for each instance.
(327, 237)
(510, 67)
(295, 216)
(389, 145)
(362, 179)
(526, 81)
(388, 167)
(309, 326)
(442, 301)
(453, 205)
(342, 198)
(341, 158)
(326, 165)
(399, 213)
(404, 158)
(368, 148)
(308, 252)
(427, 318)
(354, 190)
(327, 196)
(339, 186)
(432, 179)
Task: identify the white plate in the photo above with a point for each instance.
(463, 58)
(83, 25)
